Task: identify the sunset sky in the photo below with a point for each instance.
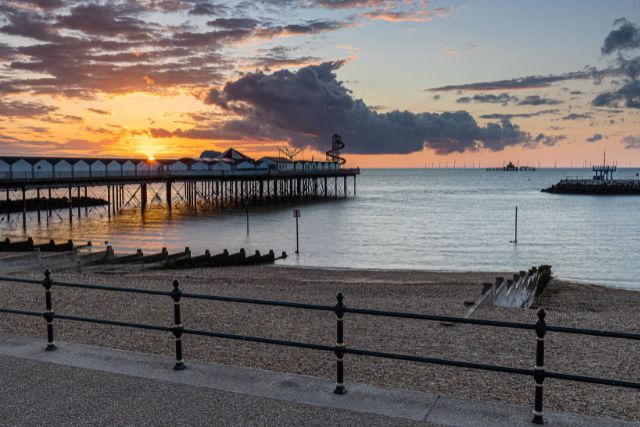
(406, 83)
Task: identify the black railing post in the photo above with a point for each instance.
(339, 310)
(176, 294)
(538, 373)
(48, 314)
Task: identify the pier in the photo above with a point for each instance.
(135, 183)
(512, 168)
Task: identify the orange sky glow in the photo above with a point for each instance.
(167, 83)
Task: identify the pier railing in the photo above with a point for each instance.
(540, 328)
(36, 176)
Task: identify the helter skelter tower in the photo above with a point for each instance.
(333, 155)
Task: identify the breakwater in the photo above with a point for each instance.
(595, 187)
(46, 204)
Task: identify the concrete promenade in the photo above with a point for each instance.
(82, 385)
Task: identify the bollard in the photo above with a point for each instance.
(48, 314)
(176, 294)
(538, 374)
(339, 310)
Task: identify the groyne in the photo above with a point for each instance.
(32, 253)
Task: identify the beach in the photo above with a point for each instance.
(441, 293)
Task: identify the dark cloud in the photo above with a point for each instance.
(207, 9)
(622, 40)
(27, 23)
(42, 4)
(348, 4)
(280, 57)
(631, 142)
(530, 82)
(308, 27)
(503, 98)
(625, 37)
(166, 5)
(121, 46)
(549, 140)
(596, 137)
(577, 116)
(307, 106)
(24, 109)
(107, 20)
(518, 115)
(61, 118)
(234, 23)
(538, 100)
(99, 111)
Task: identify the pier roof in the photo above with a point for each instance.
(276, 159)
(235, 155)
(35, 159)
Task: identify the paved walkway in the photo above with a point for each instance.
(80, 385)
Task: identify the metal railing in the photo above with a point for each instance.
(538, 373)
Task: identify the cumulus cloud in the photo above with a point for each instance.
(624, 39)
(307, 106)
(596, 137)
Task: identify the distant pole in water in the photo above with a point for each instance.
(246, 209)
(296, 215)
(515, 239)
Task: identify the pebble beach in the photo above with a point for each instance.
(441, 293)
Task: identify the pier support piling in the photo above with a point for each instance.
(168, 195)
(38, 203)
(24, 208)
(143, 197)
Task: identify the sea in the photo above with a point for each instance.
(401, 219)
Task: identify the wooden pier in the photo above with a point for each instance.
(169, 189)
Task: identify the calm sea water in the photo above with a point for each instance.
(427, 219)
